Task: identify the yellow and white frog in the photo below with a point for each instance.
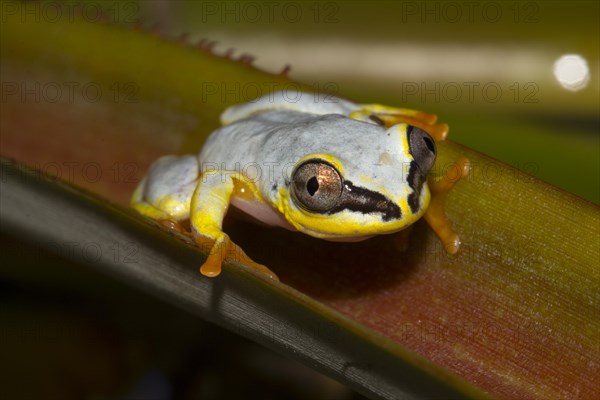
(321, 165)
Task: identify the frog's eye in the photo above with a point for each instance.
(316, 185)
(422, 148)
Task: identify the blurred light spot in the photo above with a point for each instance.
(391, 62)
(572, 72)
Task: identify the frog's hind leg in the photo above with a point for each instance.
(377, 109)
(140, 205)
(390, 116)
(165, 193)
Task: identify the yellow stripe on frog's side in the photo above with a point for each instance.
(401, 130)
(381, 109)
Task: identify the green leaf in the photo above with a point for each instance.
(514, 314)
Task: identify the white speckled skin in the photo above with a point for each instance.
(292, 101)
(172, 177)
(265, 139)
(275, 141)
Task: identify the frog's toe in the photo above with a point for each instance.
(211, 268)
(435, 214)
(451, 243)
(171, 225)
(223, 249)
(215, 249)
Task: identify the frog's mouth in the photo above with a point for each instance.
(352, 235)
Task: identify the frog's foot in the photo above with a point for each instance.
(172, 225)
(390, 116)
(437, 131)
(377, 109)
(223, 249)
(158, 215)
(435, 216)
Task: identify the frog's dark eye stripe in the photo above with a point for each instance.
(318, 187)
(356, 198)
(415, 180)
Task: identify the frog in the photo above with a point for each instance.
(321, 165)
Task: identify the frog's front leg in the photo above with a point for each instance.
(435, 216)
(209, 205)
(390, 116)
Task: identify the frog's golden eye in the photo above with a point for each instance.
(422, 148)
(316, 185)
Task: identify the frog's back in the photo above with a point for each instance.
(285, 136)
(252, 139)
(255, 131)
